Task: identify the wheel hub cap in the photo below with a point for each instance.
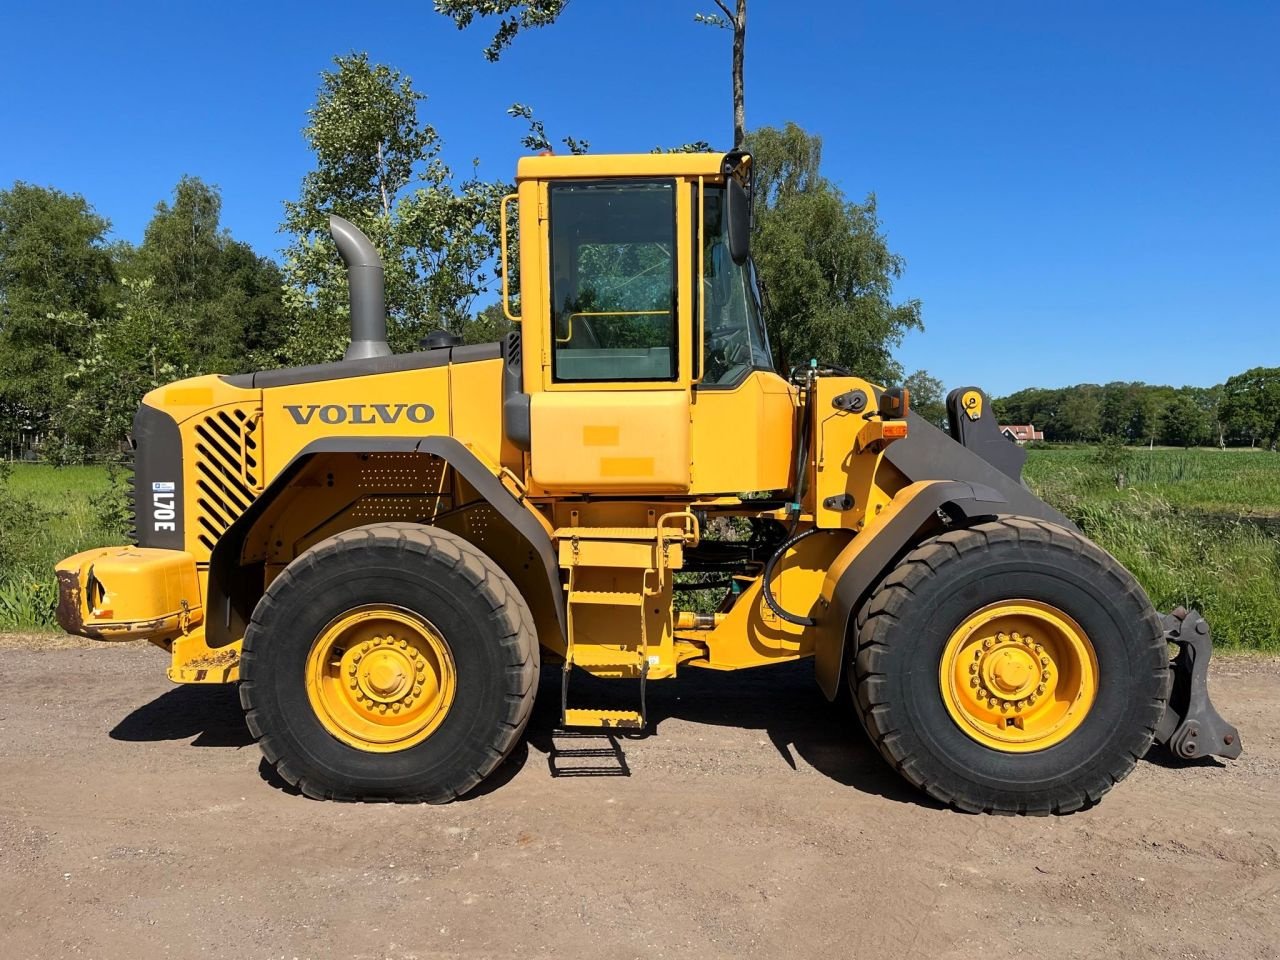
(380, 678)
(1018, 676)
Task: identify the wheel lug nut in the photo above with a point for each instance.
(988, 643)
(366, 646)
(1017, 637)
(355, 684)
(395, 708)
(973, 682)
(973, 668)
(1044, 677)
(382, 708)
(1044, 661)
(1040, 690)
(1039, 649)
(404, 644)
(408, 701)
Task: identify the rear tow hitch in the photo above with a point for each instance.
(1191, 727)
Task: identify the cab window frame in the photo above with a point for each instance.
(673, 183)
(700, 330)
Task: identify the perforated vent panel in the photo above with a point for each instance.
(398, 486)
(227, 475)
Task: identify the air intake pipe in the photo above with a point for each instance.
(368, 296)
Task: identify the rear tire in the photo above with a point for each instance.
(473, 626)
(914, 621)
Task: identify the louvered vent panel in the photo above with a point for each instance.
(226, 470)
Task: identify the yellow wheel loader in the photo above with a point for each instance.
(382, 551)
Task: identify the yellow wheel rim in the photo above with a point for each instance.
(380, 678)
(1019, 676)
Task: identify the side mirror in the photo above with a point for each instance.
(739, 214)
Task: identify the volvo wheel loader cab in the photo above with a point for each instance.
(383, 550)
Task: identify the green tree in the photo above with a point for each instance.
(1184, 422)
(825, 265)
(487, 326)
(226, 298)
(57, 279)
(1079, 417)
(1250, 406)
(133, 350)
(379, 165)
(928, 397)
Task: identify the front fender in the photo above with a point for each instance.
(873, 552)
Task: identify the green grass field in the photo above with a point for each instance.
(1199, 528)
(50, 513)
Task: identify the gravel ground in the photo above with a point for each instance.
(136, 820)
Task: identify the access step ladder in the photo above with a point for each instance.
(619, 606)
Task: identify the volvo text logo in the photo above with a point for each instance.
(361, 413)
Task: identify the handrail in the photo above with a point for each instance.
(506, 301)
(608, 313)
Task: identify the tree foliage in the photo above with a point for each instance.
(222, 296)
(928, 396)
(824, 262)
(1250, 406)
(379, 166)
(57, 279)
(513, 16)
(1138, 413)
(89, 327)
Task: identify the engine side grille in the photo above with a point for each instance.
(226, 470)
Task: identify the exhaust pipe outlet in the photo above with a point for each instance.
(368, 295)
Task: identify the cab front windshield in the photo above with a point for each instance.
(735, 338)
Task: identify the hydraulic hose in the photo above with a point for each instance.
(768, 575)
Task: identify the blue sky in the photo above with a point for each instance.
(1083, 191)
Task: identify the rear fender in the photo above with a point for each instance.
(230, 600)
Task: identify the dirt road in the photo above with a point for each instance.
(135, 822)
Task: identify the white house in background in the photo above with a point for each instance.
(1021, 433)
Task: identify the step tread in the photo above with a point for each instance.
(610, 598)
(586, 717)
(588, 655)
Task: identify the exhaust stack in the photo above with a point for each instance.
(368, 297)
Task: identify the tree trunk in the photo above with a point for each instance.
(382, 182)
(739, 46)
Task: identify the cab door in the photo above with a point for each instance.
(612, 411)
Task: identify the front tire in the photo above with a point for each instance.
(390, 662)
(1012, 667)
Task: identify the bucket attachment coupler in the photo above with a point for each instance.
(1191, 727)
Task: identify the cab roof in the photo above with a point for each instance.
(587, 165)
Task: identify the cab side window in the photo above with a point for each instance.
(613, 280)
